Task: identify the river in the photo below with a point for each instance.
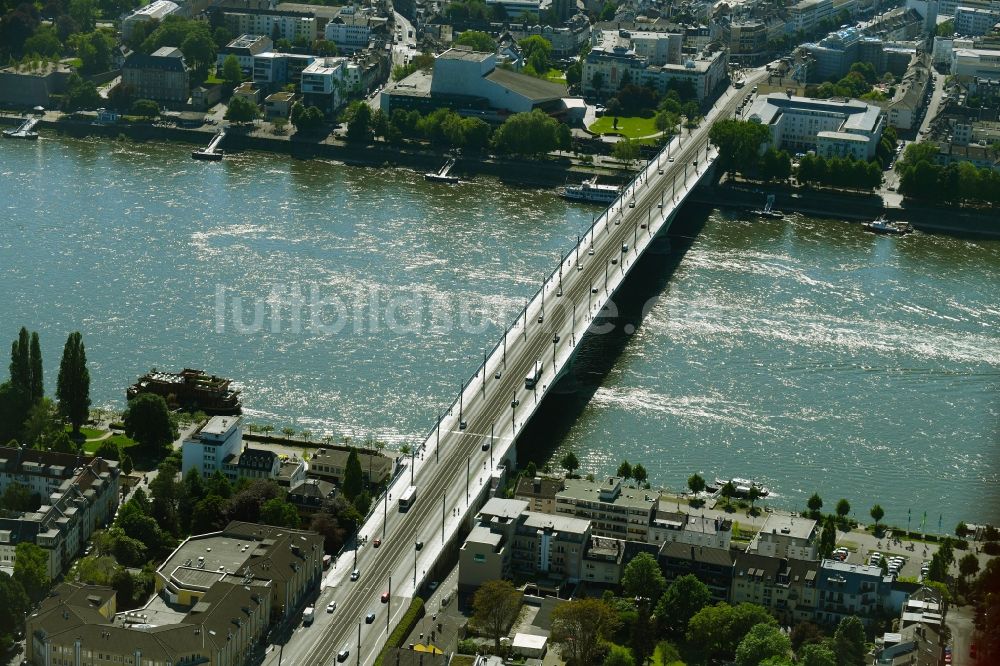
(348, 301)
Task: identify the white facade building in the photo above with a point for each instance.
(209, 447)
(349, 36)
(787, 537)
(324, 83)
(975, 21)
(276, 26)
(981, 63)
(837, 128)
(158, 10)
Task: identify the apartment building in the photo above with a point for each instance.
(551, 549)
(77, 626)
(154, 11)
(161, 76)
(850, 589)
(806, 15)
(323, 83)
(290, 25)
(329, 464)
(786, 536)
(77, 495)
(289, 561)
(975, 21)
(615, 510)
(539, 492)
(712, 566)
(785, 587)
(748, 42)
(680, 527)
(244, 48)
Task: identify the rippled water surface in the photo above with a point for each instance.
(804, 352)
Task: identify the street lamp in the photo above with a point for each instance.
(461, 400)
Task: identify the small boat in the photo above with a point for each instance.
(18, 134)
(590, 192)
(204, 154)
(884, 226)
(743, 486)
(442, 175)
(768, 210)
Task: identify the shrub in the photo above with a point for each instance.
(403, 629)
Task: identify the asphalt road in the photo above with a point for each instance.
(501, 405)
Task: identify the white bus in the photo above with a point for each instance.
(532, 377)
(407, 499)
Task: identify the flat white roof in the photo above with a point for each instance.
(530, 641)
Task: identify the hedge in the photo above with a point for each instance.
(403, 629)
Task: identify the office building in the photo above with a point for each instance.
(976, 63)
(786, 536)
(748, 42)
(850, 128)
(290, 25)
(975, 21)
(218, 446)
(244, 48)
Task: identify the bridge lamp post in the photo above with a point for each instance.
(388, 604)
(414, 568)
(513, 414)
(606, 271)
(524, 327)
(492, 429)
(572, 329)
(553, 353)
(442, 517)
(437, 441)
(505, 349)
(468, 472)
(461, 405)
(413, 460)
(359, 644)
(484, 373)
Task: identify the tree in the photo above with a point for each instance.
(280, 513)
(528, 134)
(147, 421)
(199, 51)
(18, 497)
(232, 73)
(306, 120)
(84, 12)
(739, 143)
(242, 110)
(570, 463)
(477, 41)
(580, 626)
(209, 515)
(805, 633)
(353, 476)
(625, 150)
(639, 474)
(108, 450)
(145, 108)
(696, 483)
(716, 631)
(495, 606)
(537, 54)
(43, 429)
(31, 570)
(877, 513)
(728, 491)
(642, 578)
(14, 604)
(126, 464)
(619, 656)
(36, 386)
(45, 42)
(359, 125)
(327, 526)
(817, 654)
(73, 384)
(843, 508)
(625, 470)
(968, 565)
(763, 642)
(828, 538)
(682, 600)
(849, 642)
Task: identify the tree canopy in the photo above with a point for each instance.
(477, 41)
(764, 641)
(495, 606)
(739, 143)
(147, 421)
(581, 625)
(73, 384)
(684, 597)
(642, 578)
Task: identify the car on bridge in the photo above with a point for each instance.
(385, 597)
(486, 446)
(419, 545)
(624, 247)
(369, 618)
(377, 542)
(356, 574)
(497, 375)
(343, 655)
(332, 606)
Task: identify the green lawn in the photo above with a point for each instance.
(555, 76)
(122, 441)
(89, 433)
(631, 127)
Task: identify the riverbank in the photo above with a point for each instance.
(854, 207)
(547, 172)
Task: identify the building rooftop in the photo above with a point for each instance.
(721, 557)
(788, 526)
(465, 53)
(508, 509)
(484, 535)
(557, 522)
(590, 491)
(217, 425)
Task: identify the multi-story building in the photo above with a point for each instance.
(807, 15)
(566, 40)
(218, 440)
(273, 70)
(514, 9)
(290, 25)
(832, 128)
(25, 85)
(975, 21)
(77, 626)
(849, 589)
(154, 11)
(653, 59)
(748, 42)
(712, 566)
(310, 495)
(552, 550)
(323, 83)
(976, 62)
(350, 32)
(786, 536)
(161, 76)
(833, 55)
(615, 510)
(289, 561)
(539, 492)
(77, 496)
(675, 526)
(244, 48)
(785, 587)
(329, 464)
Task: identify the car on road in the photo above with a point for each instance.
(555, 339)
(593, 290)
(590, 252)
(486, 446)
(343, 655)
(332, 606)
(497, 375)
(514, 403)
(377, 542)
(631, 204)
(433, 585)
(355, 574)
(624, 247)
(670, 159)
(369, 618)
(385, 597)
(419, 545)
(660, 171)
(541, 318)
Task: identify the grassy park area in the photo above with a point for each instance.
(633, 128)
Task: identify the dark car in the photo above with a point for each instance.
(343, 655)
(369, 618)
(419, 545)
